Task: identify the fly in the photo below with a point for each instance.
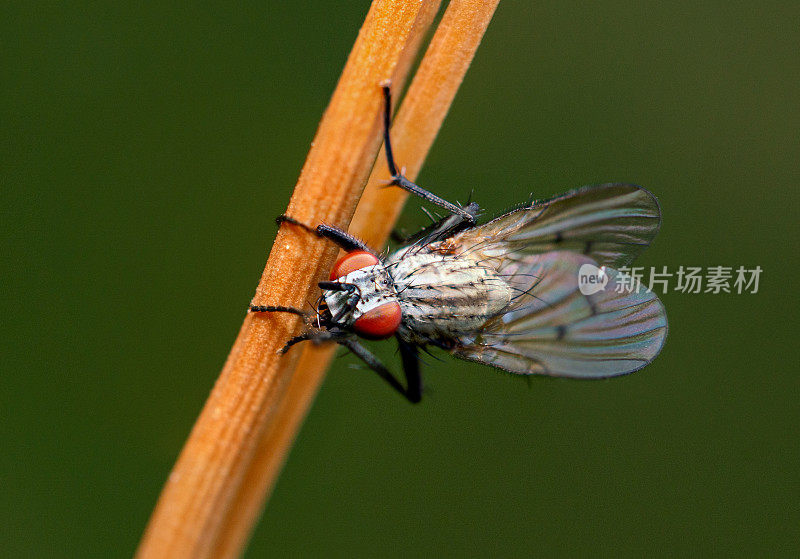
(505, 293)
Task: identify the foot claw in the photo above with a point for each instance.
(283, 218)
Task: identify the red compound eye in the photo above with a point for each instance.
(380, 322)
(351, 262)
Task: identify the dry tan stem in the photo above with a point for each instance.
(194, 504)
(415, 127)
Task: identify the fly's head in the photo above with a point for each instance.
(365, 299)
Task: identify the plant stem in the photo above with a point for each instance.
(234, 453)
(195, 502)
(415, 127)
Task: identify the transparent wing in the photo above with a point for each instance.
(610, 223)
(552, 328)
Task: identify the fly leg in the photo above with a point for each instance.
(413, 389)
(317, 336)
(410, 360)
(342, 238)
(311, 334)
(278, 308)
(412, 393)
(411, 366)
(467, 215)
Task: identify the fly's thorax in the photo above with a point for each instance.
(443, 296)
(373, 287)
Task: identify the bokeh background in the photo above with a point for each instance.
(145, 152)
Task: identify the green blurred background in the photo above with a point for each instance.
(146, 151)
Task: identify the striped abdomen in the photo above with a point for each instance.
(444, 296)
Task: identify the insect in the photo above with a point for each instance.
(505, 293)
